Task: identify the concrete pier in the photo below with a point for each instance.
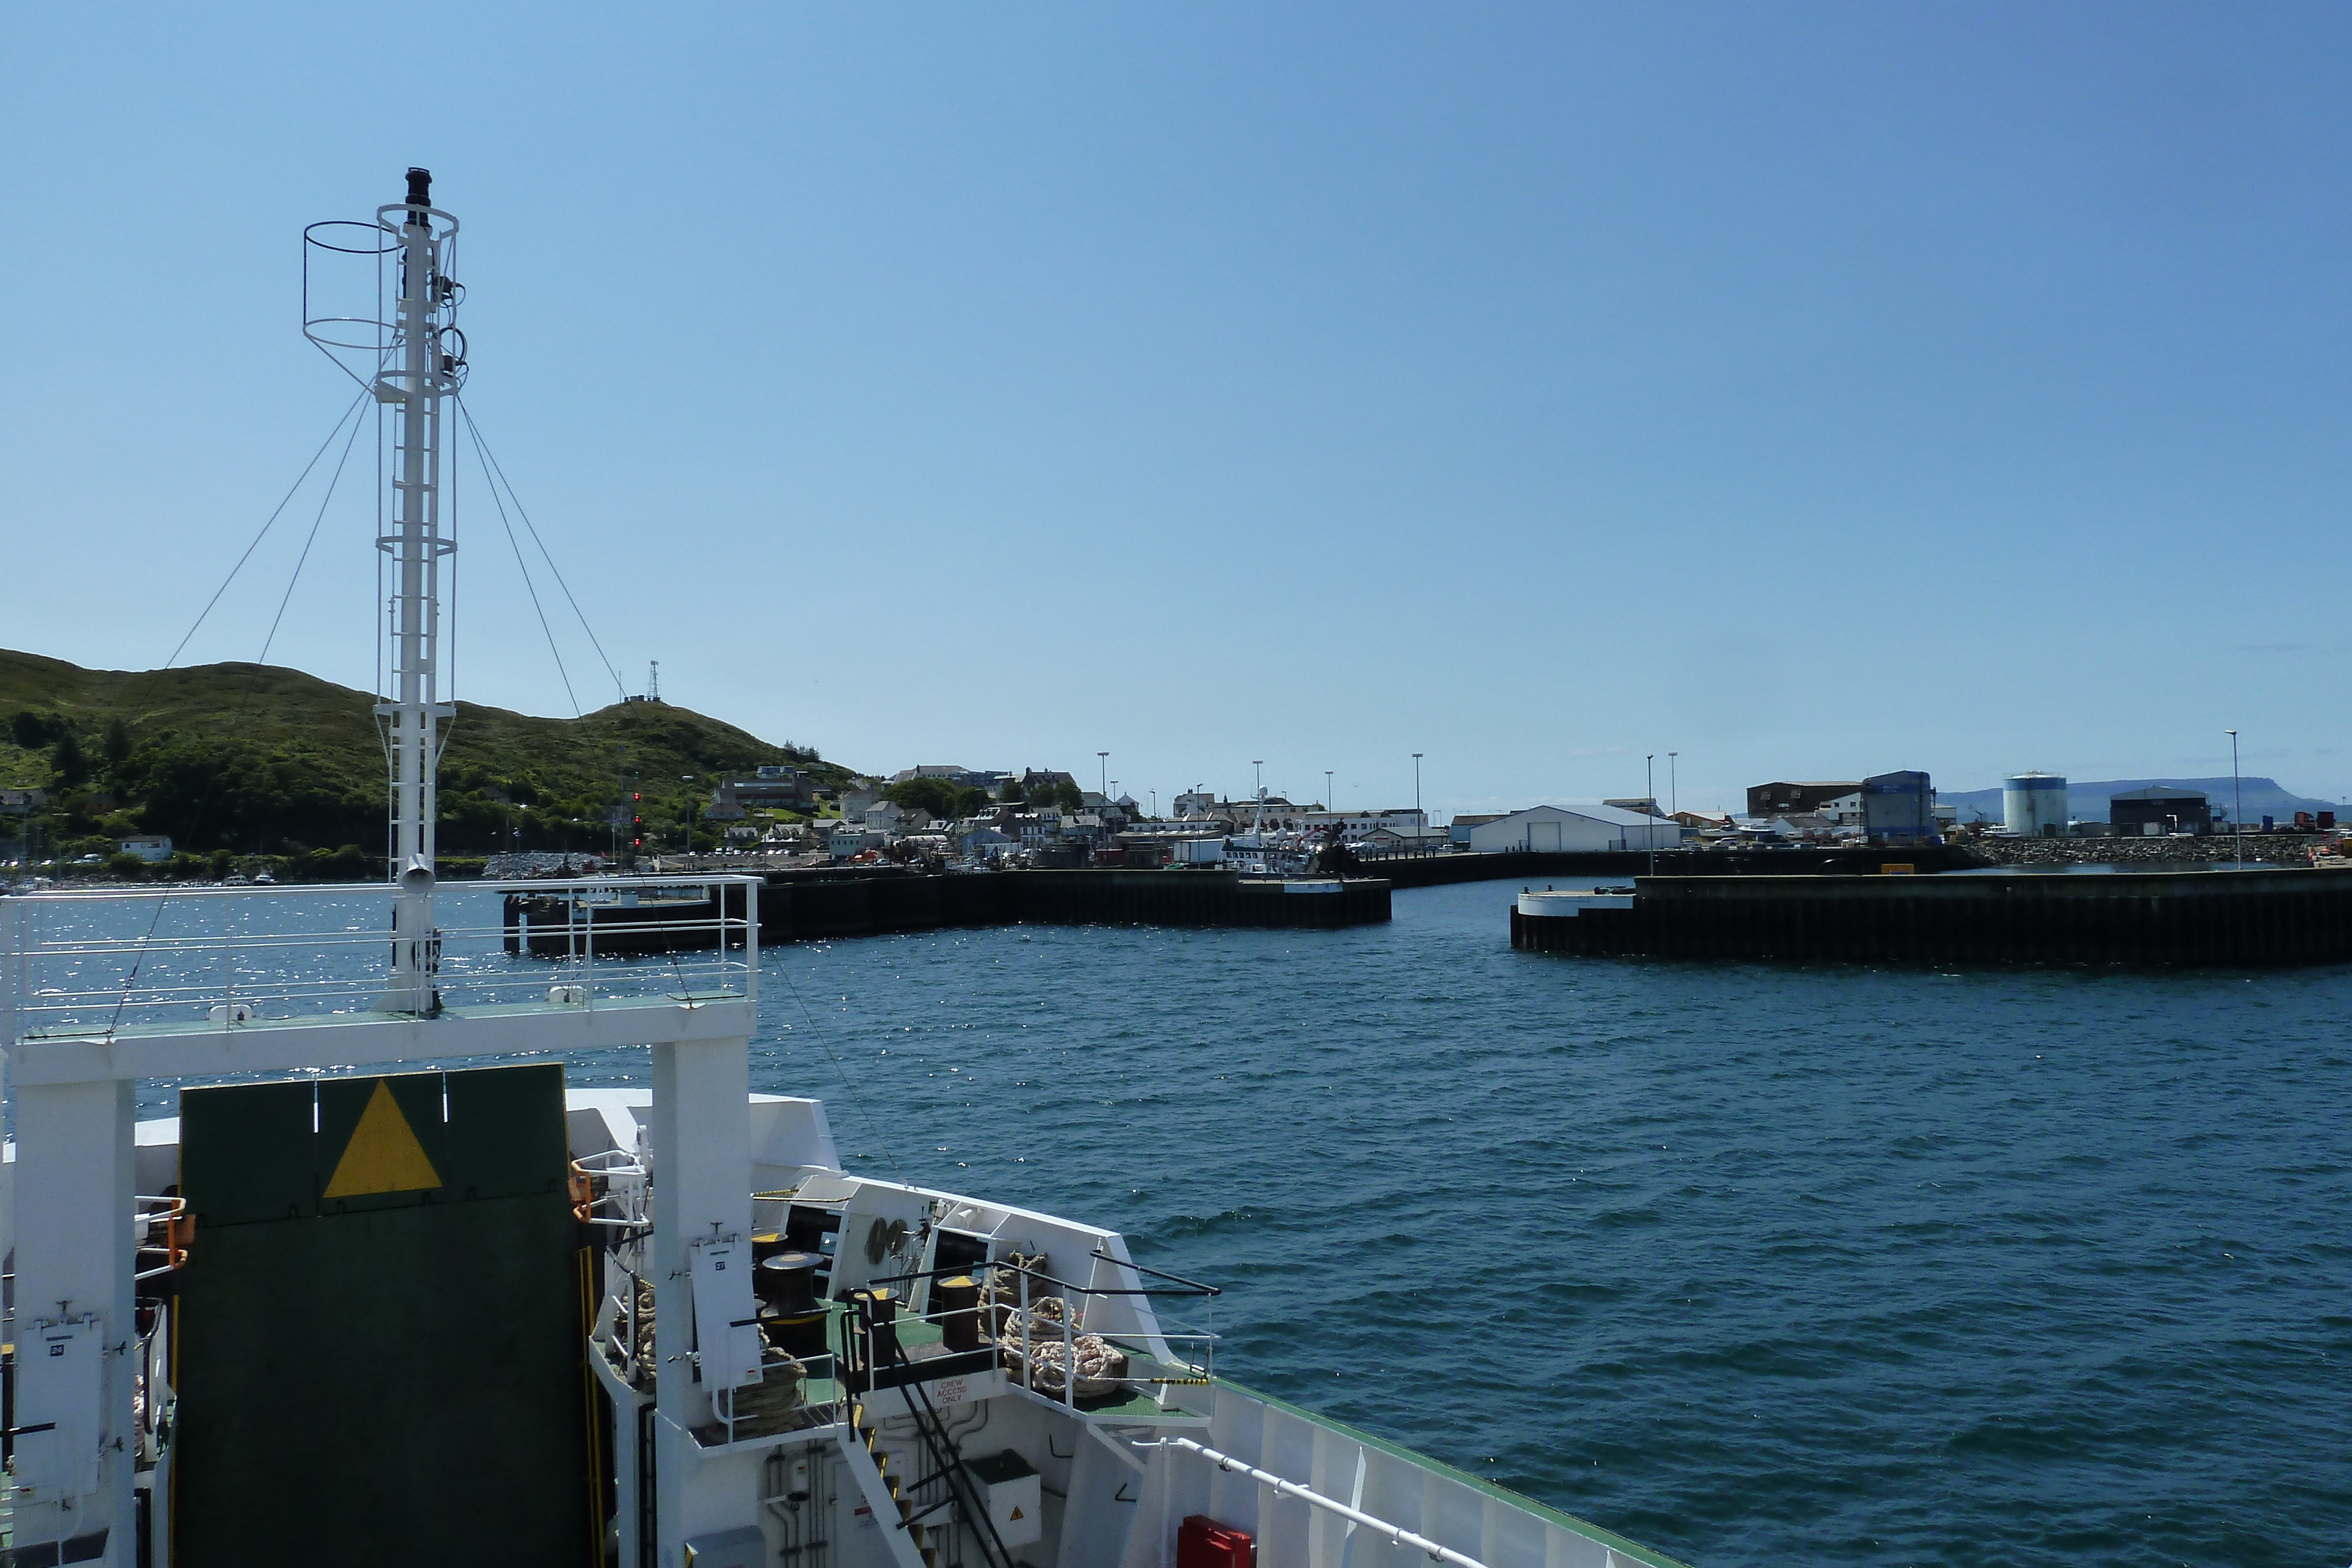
(2231, 917)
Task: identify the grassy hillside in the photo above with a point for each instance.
(259, 759)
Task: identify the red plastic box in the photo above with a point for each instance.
(1203, 1543)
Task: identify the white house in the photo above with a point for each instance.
(1036, 828)
(851, 839)
(153, 850)
(1579, 828)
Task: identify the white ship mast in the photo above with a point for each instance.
(413, 361)
(420, 364)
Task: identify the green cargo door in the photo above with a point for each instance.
(380, 1336)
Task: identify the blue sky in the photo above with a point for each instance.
(1810, 390)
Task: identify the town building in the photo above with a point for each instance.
(1400, 838)
(888, 817)
(1899, 808)
(960, 776)
(775, 789)
(1401, 822)
(1781, 797)
(2158, 810)
(154, 849)
(1579, 828)
(1036, 829)
(843, 839)
(983, 840)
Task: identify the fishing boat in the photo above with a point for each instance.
(391, 1289)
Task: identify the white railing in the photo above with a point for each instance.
(1352, 1514)
(186, 959)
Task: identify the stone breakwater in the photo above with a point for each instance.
(2271, 849)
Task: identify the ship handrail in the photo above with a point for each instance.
(1395, 1533)
(63, 975)
(1158, 1274)
(1197, 1289)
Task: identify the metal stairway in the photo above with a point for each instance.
(878, 1350)
(870, 1464)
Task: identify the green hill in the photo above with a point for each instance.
(255, 758)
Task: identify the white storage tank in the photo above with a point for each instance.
(2033, 805)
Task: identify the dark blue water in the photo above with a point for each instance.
(1753, 1264)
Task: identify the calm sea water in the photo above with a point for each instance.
(1754, 1264)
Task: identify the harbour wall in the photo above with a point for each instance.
(800, 907)
(1529, 865)
(2205, 917)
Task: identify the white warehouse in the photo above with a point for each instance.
(1579, 828)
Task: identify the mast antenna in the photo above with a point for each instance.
(413, 360)
(653, 681)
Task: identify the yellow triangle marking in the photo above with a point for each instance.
(1016, 1514)
(384, 1154)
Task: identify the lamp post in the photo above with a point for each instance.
(1673, 785)
(1650, 787)
(1327, 803)
(1420, 822)
(2237, 804)
(1105, 781)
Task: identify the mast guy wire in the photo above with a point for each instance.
(357, 425)
(265, 527)
(524, 567)
(491, 468)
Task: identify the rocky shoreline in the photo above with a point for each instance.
(2269, 849)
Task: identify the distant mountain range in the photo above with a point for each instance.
(2087, 802)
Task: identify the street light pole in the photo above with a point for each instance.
(1420, 823)
(1673, 785)
(2237, 804)
(1105, 781)
(1650, 787)
(1327, 803)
